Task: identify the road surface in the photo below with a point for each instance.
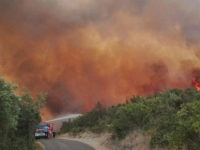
(60, 144)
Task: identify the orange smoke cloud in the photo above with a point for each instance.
(85, 51)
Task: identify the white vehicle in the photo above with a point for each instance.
(45, 130)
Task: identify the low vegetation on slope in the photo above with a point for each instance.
(171, 118)
(18, 117)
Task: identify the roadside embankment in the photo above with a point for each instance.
(134, 141)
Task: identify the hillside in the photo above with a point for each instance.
(168, 120)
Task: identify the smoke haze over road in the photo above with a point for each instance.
(84, 51)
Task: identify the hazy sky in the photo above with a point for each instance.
(84, 51)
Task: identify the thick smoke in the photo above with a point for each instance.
(85, 51)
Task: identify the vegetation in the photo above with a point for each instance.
(171, 118)
(38, 146)
(18, 116)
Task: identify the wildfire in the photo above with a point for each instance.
(80, 55)
(196, 83)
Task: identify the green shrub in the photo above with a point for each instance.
(66, 127)
(98, 129)
(75, 131)
(129, 118)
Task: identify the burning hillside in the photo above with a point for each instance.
(85, 51)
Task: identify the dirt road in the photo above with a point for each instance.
(60, 144)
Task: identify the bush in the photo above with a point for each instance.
(66, 127)
(97, 129)
(75, 131)
(129, 118)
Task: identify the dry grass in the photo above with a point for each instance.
(134, 141)
(38, 146)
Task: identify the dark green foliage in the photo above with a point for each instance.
(97, 129)
(66, 127)
(89, 120)
(187, 131)
(9, 111)
(130, 117)
(29, 117)
(77, 130)
(18, 117)
(164, 110)
(136, 99)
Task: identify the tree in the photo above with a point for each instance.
(188, 127)
(9, 111)
(18, 117)
(29, 117)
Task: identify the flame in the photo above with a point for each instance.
(196, 83)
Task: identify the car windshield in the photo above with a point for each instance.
(40, 126)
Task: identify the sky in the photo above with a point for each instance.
(84, 51)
